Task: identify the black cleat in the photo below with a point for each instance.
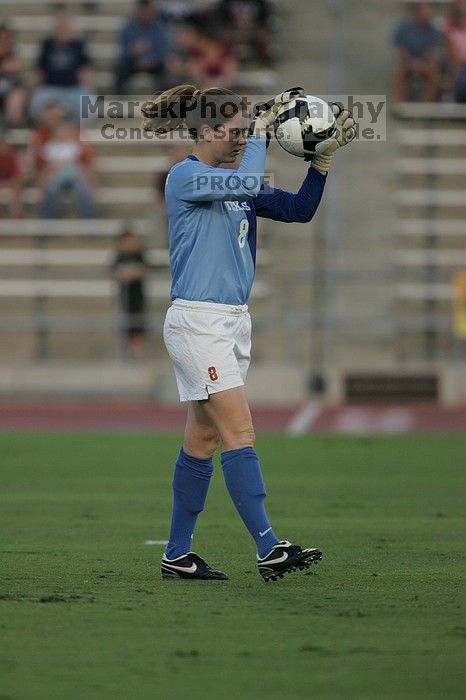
(189, 566)
(285, 557)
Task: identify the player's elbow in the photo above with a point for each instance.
(246, 186)
(248, 194)
(304, 217)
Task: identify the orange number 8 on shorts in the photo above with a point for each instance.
(213, 374)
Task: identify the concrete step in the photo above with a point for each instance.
(432, 258)
(452, 137)
(431, 166)
(454, 228)
(66, 228)
(452, 198)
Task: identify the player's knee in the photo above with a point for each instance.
(250, 436)
(241, 437)
(202, 445)
(211, 442)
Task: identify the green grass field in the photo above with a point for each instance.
(84, 614)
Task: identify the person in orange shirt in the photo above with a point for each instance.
(11, 176)
(53, 115)
(65, 166)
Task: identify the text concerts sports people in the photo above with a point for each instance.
(212, 238)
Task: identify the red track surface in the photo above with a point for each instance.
(53, 415)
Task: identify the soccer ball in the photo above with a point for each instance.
(302, 123)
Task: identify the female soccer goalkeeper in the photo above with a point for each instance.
(212, 238)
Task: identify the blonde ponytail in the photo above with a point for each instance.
(178, 107)
(167, 111)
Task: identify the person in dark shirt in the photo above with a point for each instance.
(417, 43)
(129, 269)
(455, 38)
(63, 70)
(145, 44)
(246, 22)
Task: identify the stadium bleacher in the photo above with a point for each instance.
(58, 279)
(393, 304)
(431, 178)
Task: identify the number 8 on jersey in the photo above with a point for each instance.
(243, 232)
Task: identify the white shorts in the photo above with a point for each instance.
(209, 345)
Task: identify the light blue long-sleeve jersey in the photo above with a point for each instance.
(208, 229)
(212, 215)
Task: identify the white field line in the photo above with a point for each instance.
(303, 419)
(162, 542)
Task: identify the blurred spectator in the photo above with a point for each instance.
(65, 164)
(145, 44)
(179, 61)
(13, 94)
(11, 177)
(129, 269)
(247, 22)
(63, 70)
(455, 35)
(53, 113)
(188, 10)
(417, 44)
(203, 59)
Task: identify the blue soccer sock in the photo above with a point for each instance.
(190, 485)
(245, 485)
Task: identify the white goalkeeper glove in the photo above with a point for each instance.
(344, 134)
(266, 113)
